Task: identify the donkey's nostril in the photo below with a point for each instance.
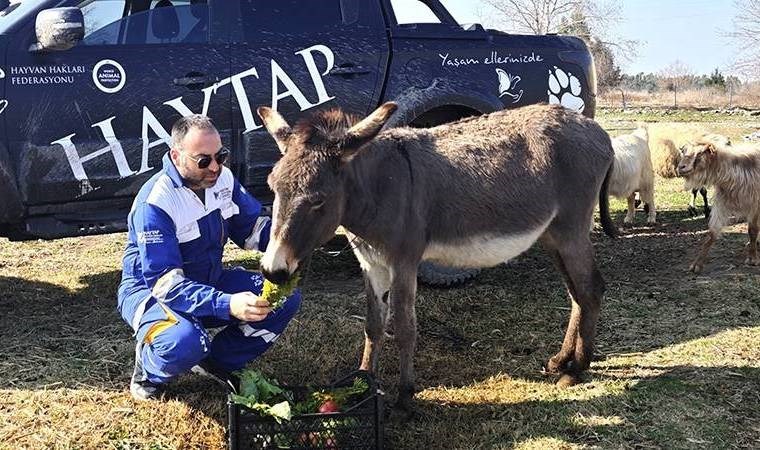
(280, 276)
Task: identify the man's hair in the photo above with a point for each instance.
(185, 124)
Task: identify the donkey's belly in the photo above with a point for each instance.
(484, 250)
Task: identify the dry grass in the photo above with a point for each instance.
(678, 360)
(746, 97)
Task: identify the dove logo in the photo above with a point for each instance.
(565, 90)
(508, 82)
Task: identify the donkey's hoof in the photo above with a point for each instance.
(567, 380)
(696, 267)
(404, 409)
(556, 365)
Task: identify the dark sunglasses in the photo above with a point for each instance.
(204, 161)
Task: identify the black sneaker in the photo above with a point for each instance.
(208, 369)
(139, 386)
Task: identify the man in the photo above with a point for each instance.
(173, 285)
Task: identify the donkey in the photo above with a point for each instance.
(473, 193)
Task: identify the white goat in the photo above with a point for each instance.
(734, 171)
(633, 172)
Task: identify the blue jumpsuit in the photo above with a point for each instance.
(173, 284)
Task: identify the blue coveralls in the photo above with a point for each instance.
(173, 284)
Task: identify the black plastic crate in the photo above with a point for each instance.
(358, 427)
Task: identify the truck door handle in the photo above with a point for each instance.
(195, 80)
(347, 70)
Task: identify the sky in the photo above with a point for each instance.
(666, 30)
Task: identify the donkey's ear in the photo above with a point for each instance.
(709, 149)
(364, 131)
(276, 126)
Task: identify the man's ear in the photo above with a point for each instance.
(366, 130)
(174, 155)
(276, 125)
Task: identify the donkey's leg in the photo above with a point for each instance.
(402, 296)
(558, 362)
(718, 220)
(578, 258)
(376, 285)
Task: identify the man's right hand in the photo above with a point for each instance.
(249, 307)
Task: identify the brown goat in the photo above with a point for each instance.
(473, 193)
(735, 173)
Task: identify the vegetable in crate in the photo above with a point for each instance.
(332, 400)
(262, 395)
(275, 294)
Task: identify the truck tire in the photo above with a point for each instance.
(435, 275)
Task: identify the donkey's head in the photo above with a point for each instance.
(308, 181)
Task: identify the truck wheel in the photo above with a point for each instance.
(433, 274)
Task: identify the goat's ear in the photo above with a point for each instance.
(709, 149)
(276, 126)
(364, 131)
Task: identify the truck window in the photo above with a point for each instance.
(412, 11)
(289, 16)
(112, 22)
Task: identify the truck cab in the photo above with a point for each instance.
(89, 89)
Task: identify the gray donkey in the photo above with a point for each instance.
(473, 193)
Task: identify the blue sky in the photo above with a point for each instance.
(687, 30)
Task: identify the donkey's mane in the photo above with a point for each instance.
(324, 127)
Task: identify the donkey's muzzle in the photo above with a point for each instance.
(280, 276)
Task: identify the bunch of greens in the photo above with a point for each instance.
(263, 395)
(276, 294)
(318, 401)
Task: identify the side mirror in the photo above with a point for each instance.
(59, 29)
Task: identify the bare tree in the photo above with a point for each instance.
(676, 75)
(746, 34)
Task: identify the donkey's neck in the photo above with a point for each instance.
(379, 182)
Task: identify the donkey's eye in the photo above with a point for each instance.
(317, 203)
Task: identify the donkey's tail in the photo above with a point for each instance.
(604, 205)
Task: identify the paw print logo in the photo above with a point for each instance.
(565, 90)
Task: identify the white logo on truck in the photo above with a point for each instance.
(109, 76)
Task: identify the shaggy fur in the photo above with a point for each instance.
(734, 171)
(666, 155)
(633, 172)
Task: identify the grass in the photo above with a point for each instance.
(677, 364)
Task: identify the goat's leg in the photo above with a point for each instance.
(693, 203)
(647, 196)
(703, 192)
(752, 258)
(699, 261)
(558, 362)
(578, 259)
(376, 285)
(402, 292)
(631, 208)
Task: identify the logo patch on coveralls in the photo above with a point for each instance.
(150, 237)
(222, 194)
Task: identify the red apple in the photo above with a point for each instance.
(329, 407)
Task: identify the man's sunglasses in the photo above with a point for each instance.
(204, 161)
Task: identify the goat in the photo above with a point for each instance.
(734, 171)
(633, 172)
(665, 157)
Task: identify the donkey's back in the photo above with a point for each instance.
(499, 180)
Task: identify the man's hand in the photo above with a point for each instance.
(249, 307)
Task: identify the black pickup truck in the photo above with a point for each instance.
(89, 89)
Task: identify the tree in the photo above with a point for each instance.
(676, 75)
(746, 34)
(716, 79)
(607, 71)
